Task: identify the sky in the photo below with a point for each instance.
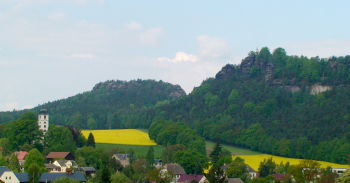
(53, 49)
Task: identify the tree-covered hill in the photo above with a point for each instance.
(274, 103)
(108, 105)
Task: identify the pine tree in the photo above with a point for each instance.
(91, 140)
(215, 154)
(13, 163)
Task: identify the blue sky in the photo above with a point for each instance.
(52, 49)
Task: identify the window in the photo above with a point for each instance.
(44, 126)
(44, 116)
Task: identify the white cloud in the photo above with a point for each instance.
(57, 16)
(213, 48)
(133, 26)
(83, 55)
(151, 36)
(179, 57)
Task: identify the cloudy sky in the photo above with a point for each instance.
(52, 49)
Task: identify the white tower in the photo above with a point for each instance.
(43, 120)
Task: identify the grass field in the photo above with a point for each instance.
(254, 161)
(139, 150)
(120, 136)
(234, 150)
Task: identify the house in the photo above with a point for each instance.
(339, 171)
(122, 158)
(158, 163)
(52, 168)
(59, 155)
(234, 180)
(189, 178)
(252, 173)
(11, 177)
(174, 169)
(21, 156)
(3, 169)
(50, 177)
(65, 164)
(89, 171)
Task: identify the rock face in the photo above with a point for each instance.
(225, 71)
(265, 67)
(318, 88)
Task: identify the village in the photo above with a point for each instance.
(63, 165)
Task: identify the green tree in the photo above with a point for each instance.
(192, 161)
(23, 133)
(36, 158)
(105, 175)
(91, 140)
(59, 139)
(28, 116)
(34, 171)
(238, 169)
(216, 174)
(345, 178)
(119, 178)
(267, 167)
(215, 154)
(13, 163)
(2, 161)
(150, 155)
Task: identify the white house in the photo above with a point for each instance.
(339, 171)
(65, 164)
(43, 120)
(11, 177)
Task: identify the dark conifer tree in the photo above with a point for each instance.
(91, 140)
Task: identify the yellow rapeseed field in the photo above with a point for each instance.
(120, 136)
(254, 161)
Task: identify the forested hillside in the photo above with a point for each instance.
(285, 105)
(108, 105)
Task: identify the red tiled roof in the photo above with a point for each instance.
(189, 178)
(55, 155)
(21, 155)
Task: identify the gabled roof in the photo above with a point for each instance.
(49, 177)
(3, 169)
(57, 155)
(121, 156)
(22, 177)
(64, 162)
(175, 168)
(21, 155)
(190, 178)
(51, 166)
(234, 180)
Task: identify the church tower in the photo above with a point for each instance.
(43, 120)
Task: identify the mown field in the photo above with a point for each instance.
(254, 161)
(120, 136)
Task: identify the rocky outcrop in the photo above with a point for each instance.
(318, 88)
(265, 67)
(225, 71)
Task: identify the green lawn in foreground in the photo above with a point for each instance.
(234, 150)
(140, 151)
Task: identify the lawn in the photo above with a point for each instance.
(234, 150)
(139, 150)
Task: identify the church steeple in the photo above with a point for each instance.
(43, 120)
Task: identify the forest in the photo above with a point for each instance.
(292, 106)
